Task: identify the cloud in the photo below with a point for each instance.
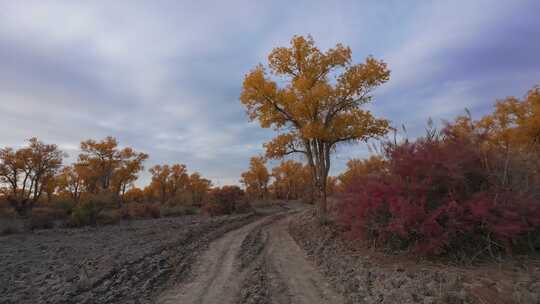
(165, 76)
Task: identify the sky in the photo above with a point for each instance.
(164, 77)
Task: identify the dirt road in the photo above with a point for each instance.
(257, 263)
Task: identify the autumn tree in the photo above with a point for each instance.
(100, 159)
(70, 181)
(158, 185)
(25, 173)
(135, 194)
(107, 168)
(199, 187)
(168, 181)
(515, 123)
(308, 189)
(288, 180)
(50, 185)
(359, 168)
(256, 178)
(509, 139)
(129, 165)
(313, 112)
(178, 180)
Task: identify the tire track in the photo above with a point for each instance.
(215, 279)
(257, 263)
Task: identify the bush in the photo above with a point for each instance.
(181, 199)
(225, 200)
(140, 211)
(44, 218)
(109, 217)
(85, 214)
(177, 211)
(89, 209)
(438, 197)
(65, 205)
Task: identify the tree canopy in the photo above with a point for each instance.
(314, 99)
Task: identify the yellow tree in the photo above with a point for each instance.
(135, 195)
(256, 178)
(178, 180)
(358, 168)
(108, 168)
(129, 165)
(308, 186)
(158, 185)
(513, 132)
(515, 123)
(50, 184)
(199, 187)
(100, 160)
(70, 181)
(168, 181)
(312, 111)
(26, 172)
(288, 183)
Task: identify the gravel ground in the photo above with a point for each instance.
(127, 263)
(368, 277)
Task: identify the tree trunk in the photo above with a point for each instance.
(318, 155)
(322, 208)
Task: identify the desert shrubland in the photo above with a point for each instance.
(469, 189)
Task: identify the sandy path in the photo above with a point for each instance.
(287, 277)
(304, 283)
(215, 279)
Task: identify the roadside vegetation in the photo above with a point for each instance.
(469, 190)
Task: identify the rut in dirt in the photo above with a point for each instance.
(257, 263)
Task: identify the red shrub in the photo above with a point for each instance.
(437, 197)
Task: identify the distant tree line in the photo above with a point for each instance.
(36, 173)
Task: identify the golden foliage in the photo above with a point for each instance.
(173, 183)
(70, 181)
(289, 180)
(27, 172)
(515, 123)
(313, 111)
(256, 178)
(358, 168)
(105, 167)
(199, 188)
(168, 181)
